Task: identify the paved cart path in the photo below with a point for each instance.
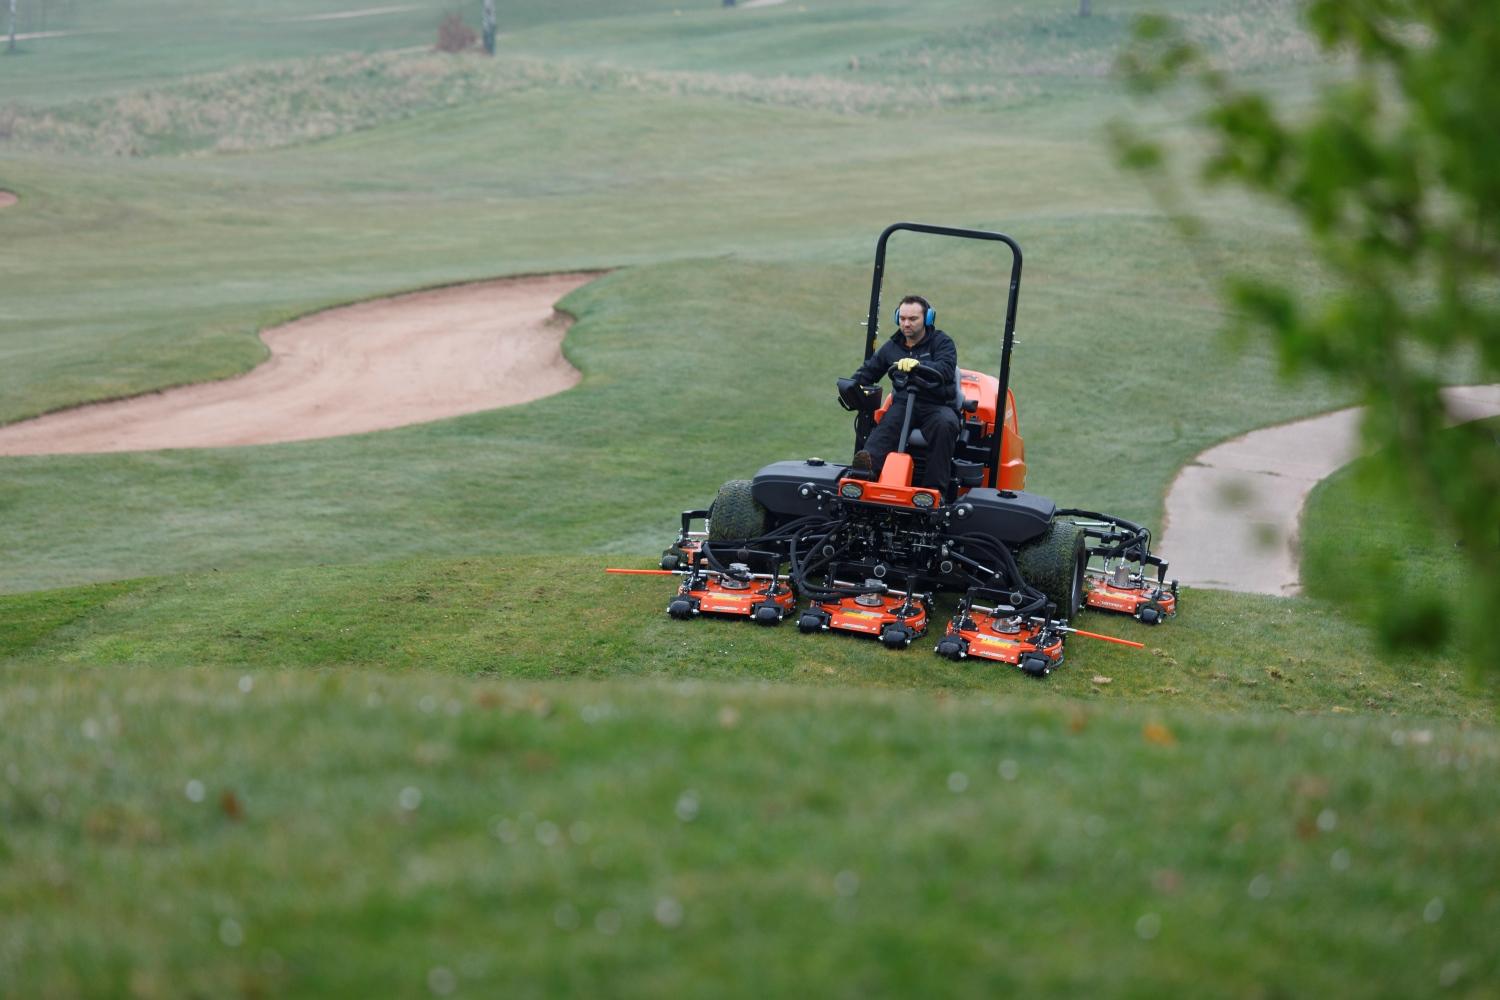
(364, 367)
(1233, 513)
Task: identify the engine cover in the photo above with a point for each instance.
(776, 487)
(1012, 516)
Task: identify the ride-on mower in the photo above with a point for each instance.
(868, 551)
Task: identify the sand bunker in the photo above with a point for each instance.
(365, 367)
(7, 199)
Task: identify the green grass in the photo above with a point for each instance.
(1376, 551)
(551, 617)
(365, 716)
(351, 831)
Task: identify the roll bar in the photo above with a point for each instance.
(1008, 341)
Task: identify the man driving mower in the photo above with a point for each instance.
(917, 343)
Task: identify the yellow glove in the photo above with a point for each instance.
(907, 364)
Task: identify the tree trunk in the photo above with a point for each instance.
(489, 27)
(1085, 7)
(12, 46)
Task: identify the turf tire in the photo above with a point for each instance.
(735, 515)
(1054, 564)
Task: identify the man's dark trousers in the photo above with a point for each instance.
(939, 423)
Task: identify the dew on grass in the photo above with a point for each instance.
(1433, 911)
(506, 832)
(231, 933)
(91, 729)
(1398, 738)
(428, 704)
(846, 883)
(410, 798)
(687, 806)
(1148, 926)
(441, 981)
(1009, 769)
(607, 922)
(668, 912)
(1340, 860)
(579, 832)
(193, 790)
(1260, 886)
(547, 833)
(958, 782)
(247, 684)
(565, 916)
(1450, 973)
(596, 713)
(1327, 820)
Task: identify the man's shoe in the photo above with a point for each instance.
(863, 462)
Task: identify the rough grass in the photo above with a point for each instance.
(1000, 60)
(346, 831)
(290, 103)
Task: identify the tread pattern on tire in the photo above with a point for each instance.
(735, 515)
(1054, 564)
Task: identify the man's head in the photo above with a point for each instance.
(911, 316)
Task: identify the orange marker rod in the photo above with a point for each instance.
(642, 572)
(1108, 638)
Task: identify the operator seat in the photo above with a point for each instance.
(966, 473)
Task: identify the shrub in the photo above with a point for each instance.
(454, 35)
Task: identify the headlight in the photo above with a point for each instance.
(851, 491)
(923, 500)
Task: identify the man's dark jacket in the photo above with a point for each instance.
(936, 351)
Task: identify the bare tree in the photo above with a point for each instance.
(1085, 7)
(489, 26)
(12, 46)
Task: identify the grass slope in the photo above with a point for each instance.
(348, 831)
(551, 617)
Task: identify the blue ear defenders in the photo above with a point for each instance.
(931, 319)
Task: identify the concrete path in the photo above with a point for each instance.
(1233, 513)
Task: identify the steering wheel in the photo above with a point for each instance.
(921, 377)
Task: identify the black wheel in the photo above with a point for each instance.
(1149, 613)
(672, 558)
(1054, 564)
(952, 648)
(767, 614)
(681, 608)
(895, 637)
(735, 514)
(809, 623)
(1035, 666)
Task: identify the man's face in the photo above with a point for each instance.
(913, 319)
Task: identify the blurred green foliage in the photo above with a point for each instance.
(1390, 174)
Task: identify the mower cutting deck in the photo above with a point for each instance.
(999, 633)
(1120, 583)
(896, 616)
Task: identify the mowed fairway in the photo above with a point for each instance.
(364, 716)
